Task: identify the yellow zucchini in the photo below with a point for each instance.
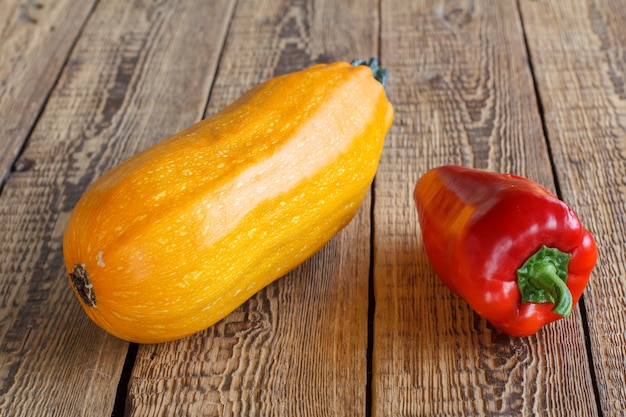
(173, 239)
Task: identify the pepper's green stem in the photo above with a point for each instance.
(542, 280)
(380, 73)
(544, 277)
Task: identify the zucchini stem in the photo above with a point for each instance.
(82, 284)
(380, 74)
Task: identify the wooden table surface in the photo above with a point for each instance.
(364, 328)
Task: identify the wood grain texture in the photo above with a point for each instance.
(36, 38)
(299, 347)
(125, 86)
(463, 93)
(83, 85)
(578, 51)
(296, 348)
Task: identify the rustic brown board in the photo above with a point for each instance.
(462, 85)
(299, 347)
(36, 39)
(139, 73)
(578, 51)
(463, 93)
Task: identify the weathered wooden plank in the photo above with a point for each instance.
(299, 346)
(140, 72)
(296, 348)
(463, 94)
(36, 39)
(578, 49)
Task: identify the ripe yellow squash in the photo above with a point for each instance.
(170, 241)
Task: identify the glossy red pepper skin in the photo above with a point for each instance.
(478, 229)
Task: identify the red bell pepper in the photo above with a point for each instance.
(509, 247)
